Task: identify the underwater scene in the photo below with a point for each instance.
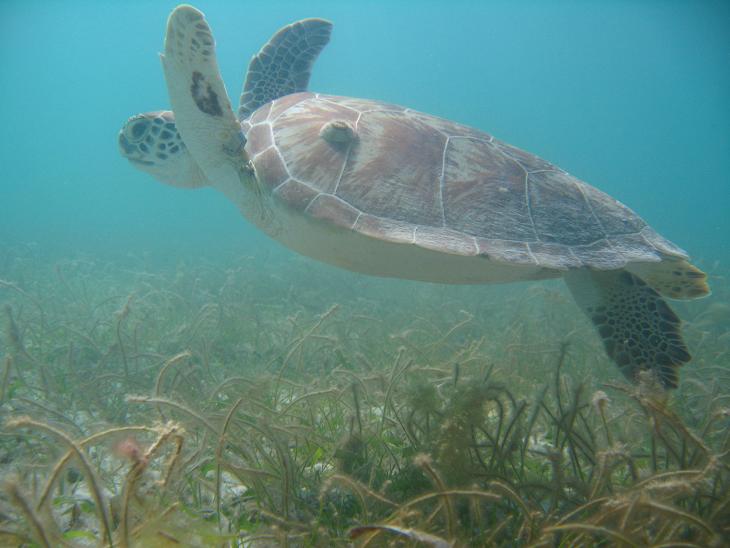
(393, 295)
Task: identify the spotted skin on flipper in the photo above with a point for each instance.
(673, 278)
(638, 328)
(283, 66)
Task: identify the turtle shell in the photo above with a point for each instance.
(402, 176)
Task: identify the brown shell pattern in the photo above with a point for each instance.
(409, 177)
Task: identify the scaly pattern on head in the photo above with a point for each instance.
(152, 143)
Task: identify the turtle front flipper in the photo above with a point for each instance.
(638, 328)
(284, 65)
(203, 112)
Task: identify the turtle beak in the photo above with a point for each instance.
(125, 147)
(130, 151)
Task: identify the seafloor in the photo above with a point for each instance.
(270, 401)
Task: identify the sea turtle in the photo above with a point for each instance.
(385, 190)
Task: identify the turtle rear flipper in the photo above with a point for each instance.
(673, 278)
(638, 329)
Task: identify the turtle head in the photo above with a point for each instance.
(152, 143)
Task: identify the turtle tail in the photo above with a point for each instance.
(638, 328)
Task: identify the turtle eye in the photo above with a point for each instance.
(137, 129)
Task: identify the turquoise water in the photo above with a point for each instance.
(631, 97)
(226, 391)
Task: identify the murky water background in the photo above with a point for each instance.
(345, 397)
